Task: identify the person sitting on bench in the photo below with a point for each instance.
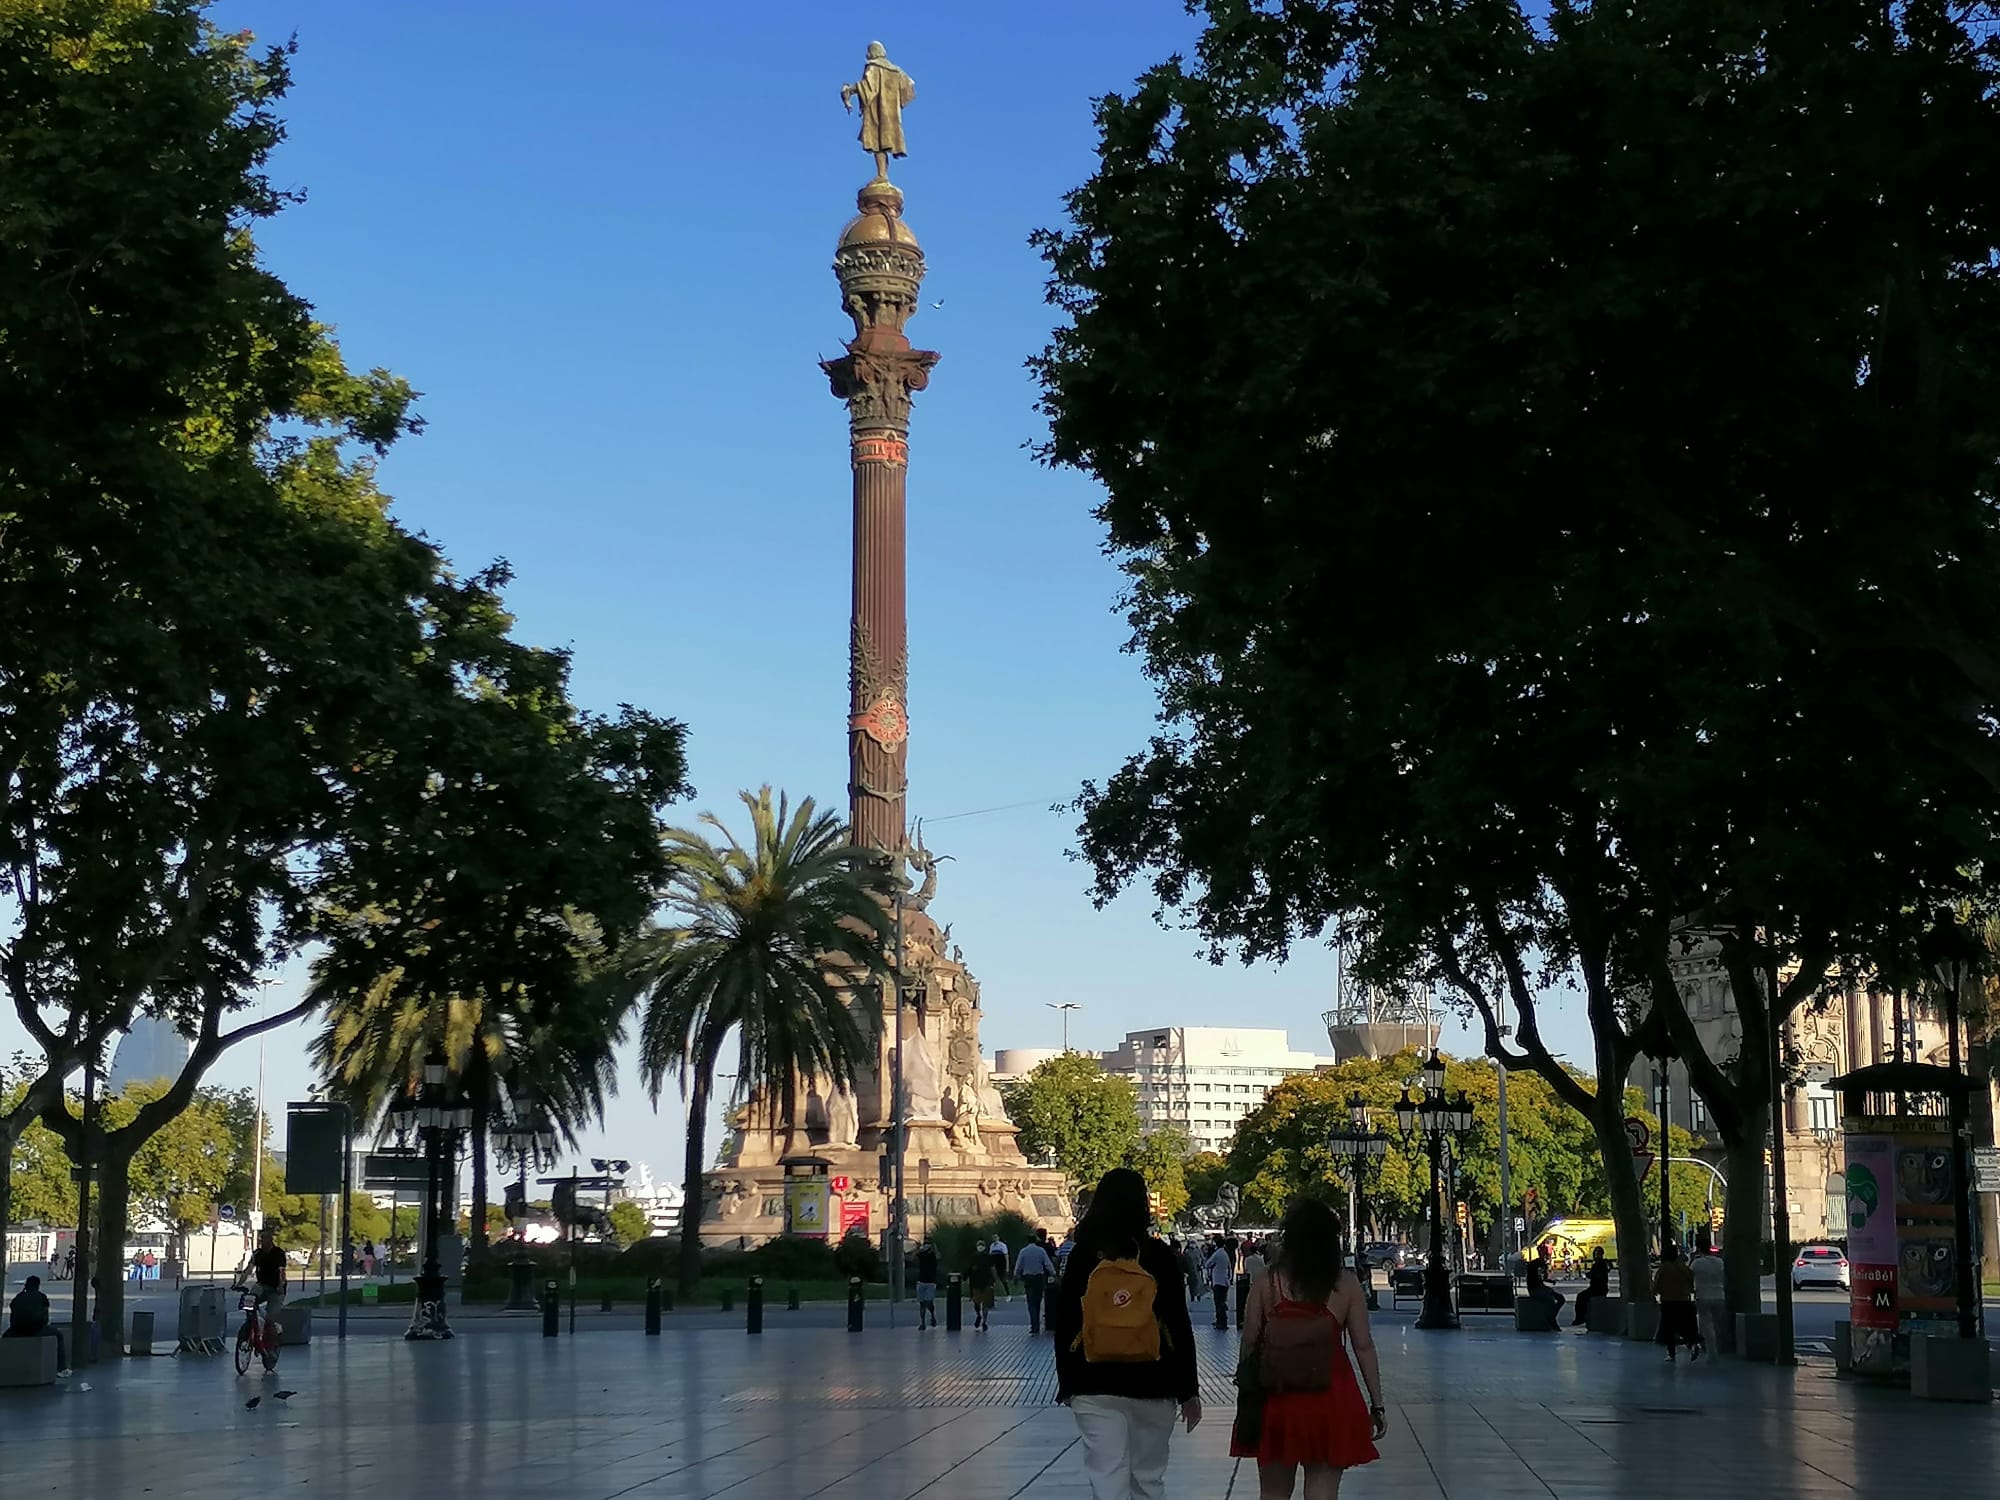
(1600, 1286)
(28, 1318)
(1539, 1289)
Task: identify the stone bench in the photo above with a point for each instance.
(1950, 1369)
(1642, 1321)
(1534, 1315)
(1607, 1315)
(1757, 1337)
(295, 1326)
(27, 1361)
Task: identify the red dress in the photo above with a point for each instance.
(1314, 1427)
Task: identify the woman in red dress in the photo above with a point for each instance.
(1322, 1431)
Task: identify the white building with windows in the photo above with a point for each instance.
(1203, 1080)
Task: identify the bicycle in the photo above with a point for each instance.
(259, 1335)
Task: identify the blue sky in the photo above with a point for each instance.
(599, 242)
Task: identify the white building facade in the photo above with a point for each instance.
(1203, 1080)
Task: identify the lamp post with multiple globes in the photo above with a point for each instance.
(1361, 1148)
(437, 1111)
(526, 1140)
(1437, 1119)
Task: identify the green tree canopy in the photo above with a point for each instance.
(1514, 430)
(1282, 1149)
(1161, 1157)
(1070, 1111)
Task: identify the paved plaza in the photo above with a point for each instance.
(816, 1413)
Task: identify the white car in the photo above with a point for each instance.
(1819, 1263)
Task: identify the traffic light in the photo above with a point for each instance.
(1465, 1216)
(1157, 1206)
(1533, 1202)
(1715, 1216)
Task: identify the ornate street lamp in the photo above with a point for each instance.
(1428, 1113)
(1361, 1148)
(527, 1140)
(439, 1114)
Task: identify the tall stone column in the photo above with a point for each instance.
(880, 268)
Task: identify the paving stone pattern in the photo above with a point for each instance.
(815, 1413)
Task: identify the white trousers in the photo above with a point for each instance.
(1124, 1445)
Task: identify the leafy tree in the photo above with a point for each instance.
(177, 1176)
(1417, 285)
(42, 1191)
(780, 941)
(263, 704)
(1161, 1158)
(1203, 1174)
(629, 1222)
(1282, 1150)
(1070, 1111)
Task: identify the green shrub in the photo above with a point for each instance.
(955, 1239)
(856, 1256)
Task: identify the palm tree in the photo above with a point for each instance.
(775, 940)
(376, 1037)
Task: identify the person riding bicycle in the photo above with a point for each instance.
(267, 1270)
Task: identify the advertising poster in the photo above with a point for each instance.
(853, 1216)
(1926, 1253)
(1873, 1250)
(805, 1207)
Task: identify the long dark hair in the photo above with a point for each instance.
(1118, 1217)
(1309, 1254)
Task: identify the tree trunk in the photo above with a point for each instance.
(691, 1203)
(7, 1138)
(482, 1121)
(1628, 1203)
(1744, 1221)
(114, 1202)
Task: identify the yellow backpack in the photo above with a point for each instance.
(1119, 1327)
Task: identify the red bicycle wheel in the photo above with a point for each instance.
(246, 1345)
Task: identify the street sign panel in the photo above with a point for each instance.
(226, 1212)
(1986, 1169)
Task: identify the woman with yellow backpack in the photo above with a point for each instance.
(1125, 1360)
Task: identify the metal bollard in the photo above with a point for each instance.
(667, 1298)
(792, 1300)
(854, 1304)
(755, 1305)
(653, 1307)
(728, 1300)
(605, 1304)
(551, 1311)
(954, 1317)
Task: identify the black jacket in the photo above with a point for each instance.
(1171, 1377)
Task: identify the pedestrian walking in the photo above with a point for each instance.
(1055, 1278)
(1673, 1284)
(367, 1257)
(927, 1277)
(1124, 1344)
(1003, 1262)
(1034, 1267)
(1248, 1268)
(979, 1280)
(1299, 1407)
(1194, 1266)
(1221, 1269)
(1711, 1296)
